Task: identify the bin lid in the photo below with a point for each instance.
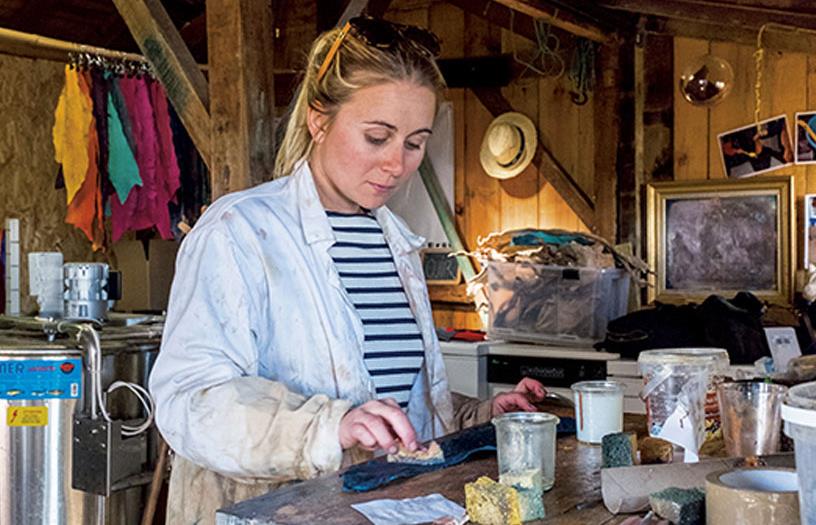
(716, 358)
(800, 405)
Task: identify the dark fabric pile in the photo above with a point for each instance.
(734, 324)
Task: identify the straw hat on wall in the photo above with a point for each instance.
(508, 145)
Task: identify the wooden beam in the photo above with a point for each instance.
(184, 83)
(354, 8)
(240, 37)
(717, 13)
(521, 25)
(549, 167)
(555, 18)
(793, 40)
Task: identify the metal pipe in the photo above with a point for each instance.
(36, 46)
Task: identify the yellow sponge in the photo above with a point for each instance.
(491, 503)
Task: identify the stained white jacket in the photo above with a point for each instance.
(262, 353)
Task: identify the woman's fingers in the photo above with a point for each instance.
(532, 388)
(396, 420)
(377, 424)
(511, 402)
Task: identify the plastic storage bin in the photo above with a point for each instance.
(554, 304)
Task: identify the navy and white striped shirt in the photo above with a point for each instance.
(393, 343)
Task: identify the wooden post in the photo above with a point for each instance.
(607, 124)
(240, 40)
(640, 105)
(162, 45)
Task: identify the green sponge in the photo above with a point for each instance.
(619, 449)
(679, 506)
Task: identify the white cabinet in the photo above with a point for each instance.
(466, 364)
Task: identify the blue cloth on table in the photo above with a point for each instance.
(457, 448)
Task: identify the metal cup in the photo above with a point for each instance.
(751, 417)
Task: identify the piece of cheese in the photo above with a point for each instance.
(491, 503)
(530, 488)
(655, 450)
(432, 455)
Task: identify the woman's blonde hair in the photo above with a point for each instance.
(356, 65)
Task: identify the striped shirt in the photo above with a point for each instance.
(393, 349)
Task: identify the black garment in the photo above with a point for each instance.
(194, 191)
(99, 95)
(735, 325)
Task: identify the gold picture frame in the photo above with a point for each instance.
(720, 237)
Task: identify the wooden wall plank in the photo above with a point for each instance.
(737, 108)
(242, 92)
(519, 195)
(785, 75)
(448, 22)
(691, 123)
(557, 128)
(482, 197)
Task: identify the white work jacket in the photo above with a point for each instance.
(262, 352)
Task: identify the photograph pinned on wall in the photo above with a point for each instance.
(747, 152)
(810, 230)
(806, 138)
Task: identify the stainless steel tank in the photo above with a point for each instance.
(36, 460)
(40, 386)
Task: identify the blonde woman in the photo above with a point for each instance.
(299, 335)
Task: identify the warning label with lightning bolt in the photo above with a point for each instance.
(27, 416)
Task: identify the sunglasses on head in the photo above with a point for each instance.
(382, 34)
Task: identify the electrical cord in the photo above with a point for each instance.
(98, 397)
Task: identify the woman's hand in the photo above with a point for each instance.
(521, 399)
(377, 424)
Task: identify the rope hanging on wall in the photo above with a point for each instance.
(582, 71)
(546, 58)
(759, 57)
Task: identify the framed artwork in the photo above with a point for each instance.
(720, 237)
(751, 150)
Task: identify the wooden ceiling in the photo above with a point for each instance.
(98, 23)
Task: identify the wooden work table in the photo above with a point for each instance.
(574, 500)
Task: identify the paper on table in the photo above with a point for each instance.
(408, 511)
(627, 489)
(679, 429)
